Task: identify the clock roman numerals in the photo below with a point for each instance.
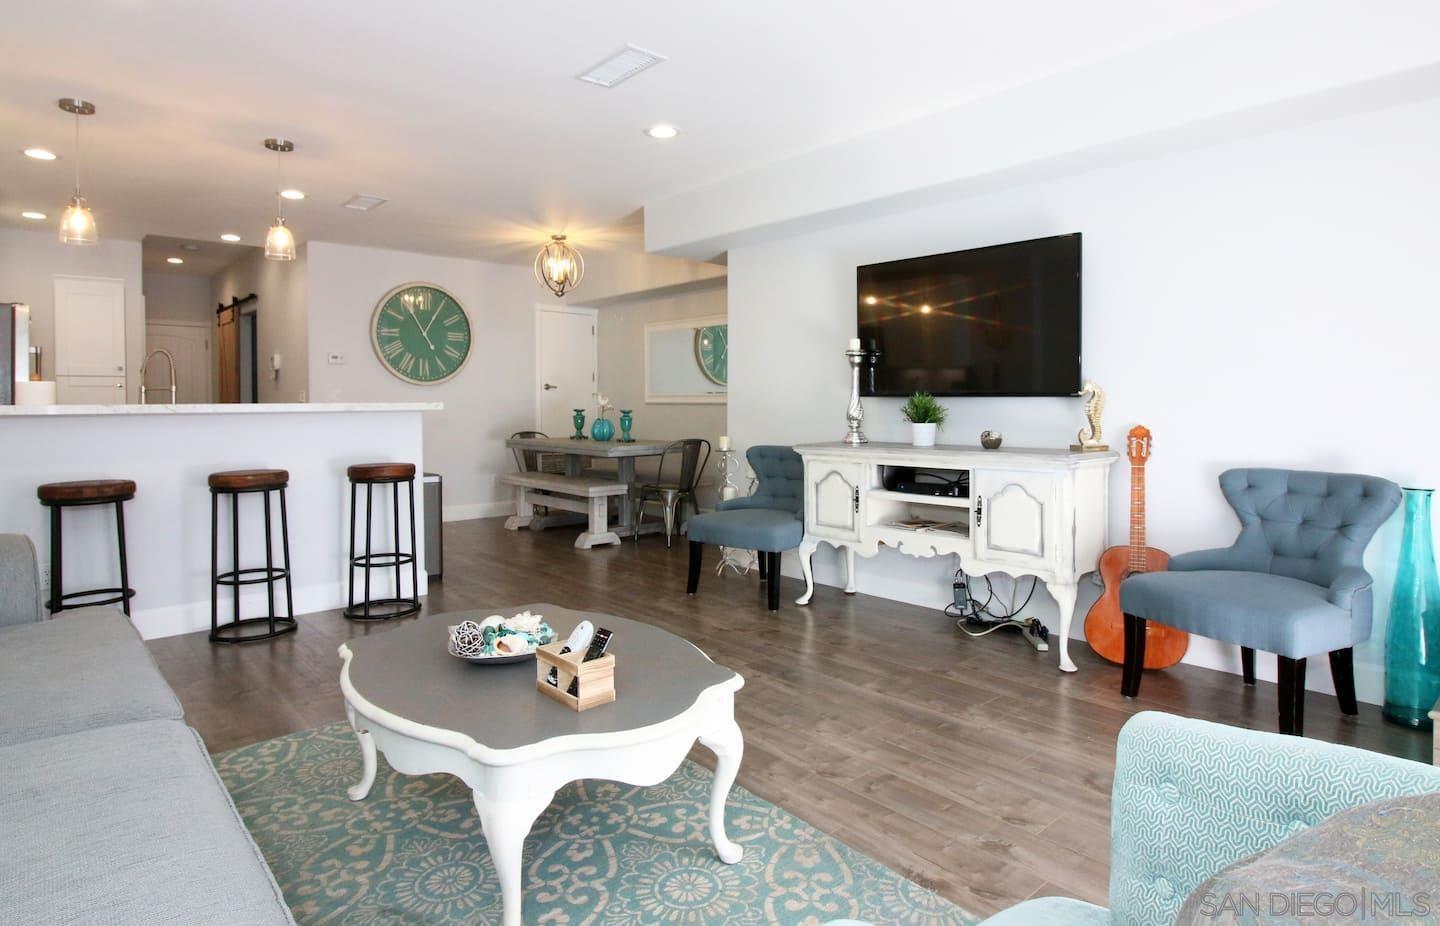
(421, 334)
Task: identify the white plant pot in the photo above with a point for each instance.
(923, 435)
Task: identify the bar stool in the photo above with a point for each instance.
(58, 496)
(370, 475)
(234, 484)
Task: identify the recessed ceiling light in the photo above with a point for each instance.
(41, 154)
(34, 216)
(292, 194)
(662, 131)
(229, 236)
(174, 260)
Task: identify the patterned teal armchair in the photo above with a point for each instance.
(1293, 583)
(768, 522)
(1191, 797)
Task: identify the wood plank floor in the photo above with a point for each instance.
(972, 766)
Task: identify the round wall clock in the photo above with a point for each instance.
(421, 333)
(712, 352)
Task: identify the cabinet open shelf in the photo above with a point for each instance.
(940, 501)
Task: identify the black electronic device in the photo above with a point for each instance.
(599, 643)
(936, 489)
(993, 321)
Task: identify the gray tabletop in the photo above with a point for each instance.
(408, 672)
(590, 448)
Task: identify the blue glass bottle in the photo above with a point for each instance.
(1412, 638)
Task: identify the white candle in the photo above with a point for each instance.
(854, 343)
(724, 442)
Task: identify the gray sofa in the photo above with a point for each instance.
(110, 811)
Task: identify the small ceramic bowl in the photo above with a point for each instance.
(990, 440)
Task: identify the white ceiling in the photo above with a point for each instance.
(202, 257)
(467, 117)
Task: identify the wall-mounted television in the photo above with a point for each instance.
(993, 321)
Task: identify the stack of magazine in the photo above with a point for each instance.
(926, 524)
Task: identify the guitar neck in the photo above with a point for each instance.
(1138, 558)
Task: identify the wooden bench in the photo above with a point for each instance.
(587, 495)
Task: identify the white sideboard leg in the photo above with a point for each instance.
(807, 550)
(849, 570)
(728, 745)
(1064, 596)
(506, 823)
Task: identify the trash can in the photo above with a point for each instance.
(434, 493)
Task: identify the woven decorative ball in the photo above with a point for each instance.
(467, 639)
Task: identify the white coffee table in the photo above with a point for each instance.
(429, 712)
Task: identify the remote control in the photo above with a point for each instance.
(599, 643)
(578, 639)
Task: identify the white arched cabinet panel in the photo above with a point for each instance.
(833, 495)
(1010, 513)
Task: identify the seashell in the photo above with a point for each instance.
(513, 644)
(494, 620)
(524, 622)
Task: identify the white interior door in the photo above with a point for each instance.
(189, 345)
(89, 327)
(565, 361)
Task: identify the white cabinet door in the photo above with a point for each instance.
(89, 327)
(89, 390)
(1015, 516)
(833, 499)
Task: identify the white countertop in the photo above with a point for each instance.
(279, 408)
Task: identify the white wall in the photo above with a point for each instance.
(178, 297)
(621, 334)
(1265, 302)
(29, 263)
(283, 317)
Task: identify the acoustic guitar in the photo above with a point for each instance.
(1105, 624)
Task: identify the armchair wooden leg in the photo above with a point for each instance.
(1342, 667)
(1134, 655)
(772, 588)
(1292, 695)
(1247, 664)
(692, 581)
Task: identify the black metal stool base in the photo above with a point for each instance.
(233, 632)
(120, 596)
(383, 609)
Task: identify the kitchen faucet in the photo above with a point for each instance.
(168, 359)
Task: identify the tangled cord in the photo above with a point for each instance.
(982, 619)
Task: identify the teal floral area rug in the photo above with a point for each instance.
(413, 854)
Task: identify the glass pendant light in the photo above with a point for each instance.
(77, 225)
(280, 240)
(558, 266)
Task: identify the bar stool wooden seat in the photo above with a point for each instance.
(371, 475)
(233, 484)
(58, 496)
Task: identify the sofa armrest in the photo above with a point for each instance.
(1348, 582)
(1223, 558)
(1191, 797)
(746, 501)
(19, 581)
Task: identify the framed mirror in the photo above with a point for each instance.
(687, 362)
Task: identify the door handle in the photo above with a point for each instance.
(549, 386)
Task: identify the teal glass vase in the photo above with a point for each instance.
(1412, 638)
(578, 419)
(602, 429)
(627, 420)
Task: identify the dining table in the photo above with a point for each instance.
(576, 451)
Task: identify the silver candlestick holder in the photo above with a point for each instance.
(855, 414)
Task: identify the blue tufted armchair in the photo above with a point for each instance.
(768, 522)
(1292, 584)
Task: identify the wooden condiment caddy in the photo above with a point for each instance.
(596, 677)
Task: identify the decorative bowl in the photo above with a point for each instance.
(494, 640)
(990, 440)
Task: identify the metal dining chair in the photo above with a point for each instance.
(681, 466)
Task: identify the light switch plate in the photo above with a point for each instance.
(335, 359)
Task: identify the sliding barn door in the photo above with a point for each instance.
(227, 352)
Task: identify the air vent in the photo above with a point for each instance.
(364, 202)
(621, 66)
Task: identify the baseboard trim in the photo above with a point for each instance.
(154, 623)
(478, 510)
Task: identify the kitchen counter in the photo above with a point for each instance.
(278, 408)
(169, 450)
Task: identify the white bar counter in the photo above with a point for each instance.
(169, 450)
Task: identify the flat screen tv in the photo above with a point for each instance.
(995, 321)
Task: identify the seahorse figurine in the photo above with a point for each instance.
(1090, 435)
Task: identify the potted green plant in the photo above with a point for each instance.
(925, 416)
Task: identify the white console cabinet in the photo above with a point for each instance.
(1041, 513)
